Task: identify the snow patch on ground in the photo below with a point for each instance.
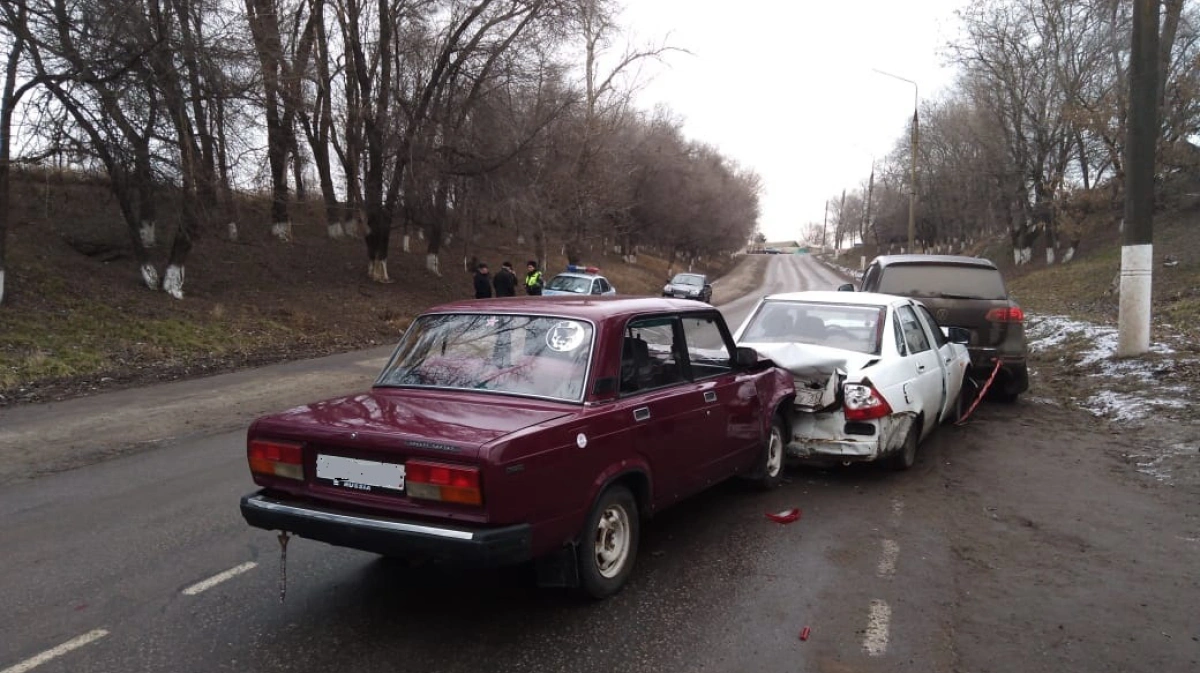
(1130, 392)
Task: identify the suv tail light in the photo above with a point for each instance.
(1010, 314)
(864, 403)
(445, 483)
(276, 459)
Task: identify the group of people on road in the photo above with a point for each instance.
(505, 281)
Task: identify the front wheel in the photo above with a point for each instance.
(609, 544)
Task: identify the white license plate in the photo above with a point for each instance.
(808, 397)
(358, 474)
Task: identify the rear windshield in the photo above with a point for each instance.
(571, 284)
(942, 280)
(518, 355)
(854, 328)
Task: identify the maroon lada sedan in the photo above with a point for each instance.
(529, 429)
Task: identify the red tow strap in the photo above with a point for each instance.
(982, 392)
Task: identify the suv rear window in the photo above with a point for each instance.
(942, 280)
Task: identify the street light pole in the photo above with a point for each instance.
(912, 195)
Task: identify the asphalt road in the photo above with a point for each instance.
(975, 560)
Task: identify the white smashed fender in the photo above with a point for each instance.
(150, 276)
(894, 429)
(173, 281)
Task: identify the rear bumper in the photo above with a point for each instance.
(390, 537)
(1014, 372)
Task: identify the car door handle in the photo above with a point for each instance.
(641, 414)
(920, 368)
(710, 396)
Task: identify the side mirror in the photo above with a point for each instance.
(958, 335)
(745, 357)
(848, 287)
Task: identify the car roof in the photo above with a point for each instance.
(961, 260)
(834, 297)
(595, 308)
(578, 274)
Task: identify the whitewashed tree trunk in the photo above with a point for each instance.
(233, 232)
(150, 276)
(337, 231)
(431, 264)
(1, 286)
(420, 234)
(173, 281)
(148, 233)
(377, 271)
(282, 231)
(1069, 254)
(1049, 256)
(406, 243)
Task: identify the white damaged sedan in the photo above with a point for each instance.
(875, 374)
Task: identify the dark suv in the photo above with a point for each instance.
(689, 286)
(963, 292)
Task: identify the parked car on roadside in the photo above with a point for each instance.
(874, 374)
(967, 292)
(505, 431)
(689, 286)
(577, 280)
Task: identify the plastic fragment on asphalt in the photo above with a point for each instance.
(804, 633)
(786, 516)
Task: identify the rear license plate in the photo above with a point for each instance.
(360, 475)
(808, 397)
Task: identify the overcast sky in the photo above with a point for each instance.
(786, 86)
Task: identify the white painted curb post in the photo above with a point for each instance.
(1137, 266)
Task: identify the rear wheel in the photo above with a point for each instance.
(770, 467)
(609, 544)
(907, 456)
(966, 397)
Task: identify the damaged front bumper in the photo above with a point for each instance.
(828, 437)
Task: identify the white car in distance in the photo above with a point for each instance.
(875, 374)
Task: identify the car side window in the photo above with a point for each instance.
(596, 287)
(935, 329)
(871, 278)
(899, 333)
(649, 355)
(707, 350)
(604, 286)
(914, 335)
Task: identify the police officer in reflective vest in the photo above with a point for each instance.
(533, 280)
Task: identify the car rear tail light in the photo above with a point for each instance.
(444, 483)
(275, 458)
(1010, 314)
(864, 403)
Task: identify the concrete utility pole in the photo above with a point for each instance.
(825, 225)
(1141, 137)
(912, 194)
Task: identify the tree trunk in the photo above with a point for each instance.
(264, 27)
(8, 101)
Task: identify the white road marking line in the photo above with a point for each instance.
(215, 580)
(887, 563)
(876, 640)
(73, 644)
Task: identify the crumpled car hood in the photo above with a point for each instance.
(818, 370)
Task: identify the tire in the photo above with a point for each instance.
(907, 456)
(608, 545)
(770, 465)
(966, 396)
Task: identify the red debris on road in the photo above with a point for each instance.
(804, 633)
(786, 516)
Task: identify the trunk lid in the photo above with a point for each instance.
(818, 371)
(373, 433)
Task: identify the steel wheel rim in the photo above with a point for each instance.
(613, 541)
(774, 453)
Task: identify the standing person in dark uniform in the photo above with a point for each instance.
(483, 282)
(533, 280)
(505, 281)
